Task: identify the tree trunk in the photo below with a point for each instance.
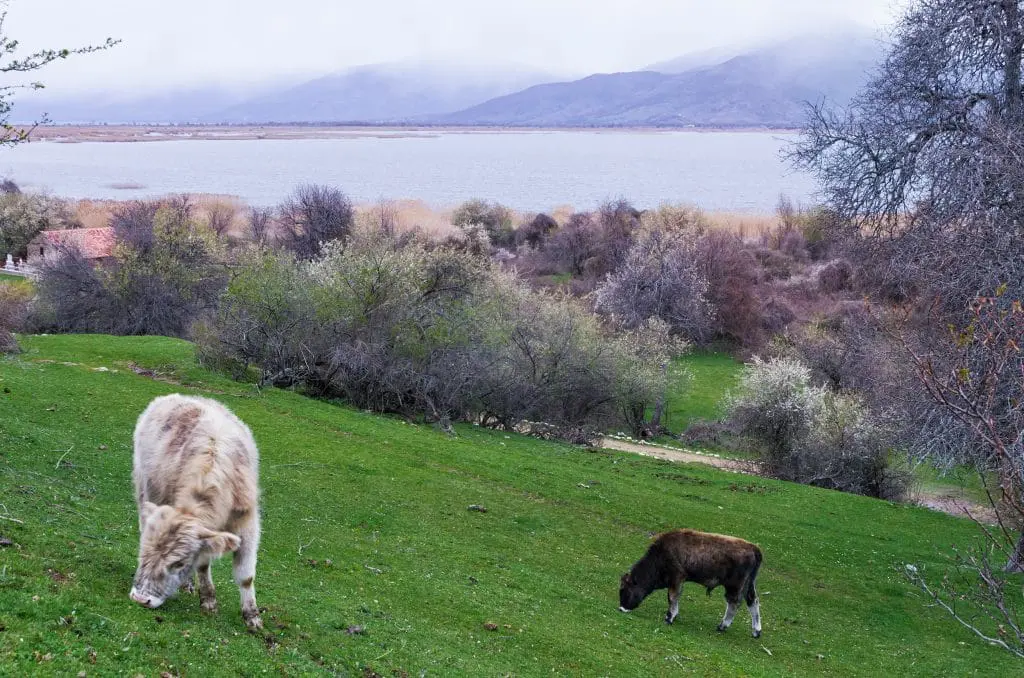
(1013, 48)
(659, 404)
(1016, 563)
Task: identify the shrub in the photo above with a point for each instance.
(775, 404)
(24, 215)
(166, 272)
(659, 278)
(835, 277)
(14, 303)
(495, 219)
(434, 331)
(312, 216)
(732, 274)
(573, 245)
(810, 435)
(536, 232)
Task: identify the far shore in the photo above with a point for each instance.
(148, 133)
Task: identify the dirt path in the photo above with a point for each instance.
(936, 501)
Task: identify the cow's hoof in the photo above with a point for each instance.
(209, 606)
(757, 634)
(254, 623)
(722, 628)
(669, 619)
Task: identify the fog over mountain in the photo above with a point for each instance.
(766, 87)
(727, 86)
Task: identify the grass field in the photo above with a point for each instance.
(371, 563)
(700, 396)
(6, 277)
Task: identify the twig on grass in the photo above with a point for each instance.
(66, 453)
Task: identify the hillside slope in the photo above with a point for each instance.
(372, 562)
(764, 87)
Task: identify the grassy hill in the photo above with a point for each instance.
(366, 525)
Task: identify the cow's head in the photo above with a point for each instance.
(169, 548)
(631, 593)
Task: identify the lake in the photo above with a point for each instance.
(531, 170)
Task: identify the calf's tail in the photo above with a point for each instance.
(751, 592)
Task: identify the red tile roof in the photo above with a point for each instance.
(94, 243)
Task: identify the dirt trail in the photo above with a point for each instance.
(937, 501)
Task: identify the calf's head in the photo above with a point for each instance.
(631, 592)
(170, 547)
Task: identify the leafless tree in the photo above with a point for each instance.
(312, 216)
(261, 220)
(574, 244)
(981, 385)
(221, 217)
(925, 163)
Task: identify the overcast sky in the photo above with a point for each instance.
(179, 42)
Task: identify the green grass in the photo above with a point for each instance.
(7, 277)
(366, 524)
(700, 397)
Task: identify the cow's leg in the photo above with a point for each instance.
(207, 594)
(754, 605)
(674, 591)
(732, 602)
(245, 574)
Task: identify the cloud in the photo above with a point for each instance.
(244, 41)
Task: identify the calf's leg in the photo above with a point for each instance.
(245, 574)
(754, 605)
(732, 601)
(673, 601)
(207, 594)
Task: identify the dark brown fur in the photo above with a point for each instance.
(710, 560)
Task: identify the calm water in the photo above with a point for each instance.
(526, 170)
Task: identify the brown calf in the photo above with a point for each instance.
(710, 560)
(196, 474)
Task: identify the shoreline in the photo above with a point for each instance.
(70, 134)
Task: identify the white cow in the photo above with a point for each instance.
(196, 471)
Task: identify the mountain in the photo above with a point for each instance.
(374, 94)
(766, 87)
(381, 93)
(186, 105)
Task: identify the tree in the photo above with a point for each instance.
(10, 62)
(980, 385)
(924, 164)
(312, 216)
(659, 278)
(924, 172)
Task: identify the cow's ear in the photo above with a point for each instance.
(219, 543)
(625, 578)
(148, 508)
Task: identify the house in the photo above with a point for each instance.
(94, 243)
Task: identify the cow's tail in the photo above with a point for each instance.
(751, 592)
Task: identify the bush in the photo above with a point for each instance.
(166, 272)
(495, 219)
(810, 435)
(732, 274)
(311, 217)
(536, 232)
(14, 303)
(400, 326)
(24, 215)
(835, 277)
(659, 278)
(573, 245)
